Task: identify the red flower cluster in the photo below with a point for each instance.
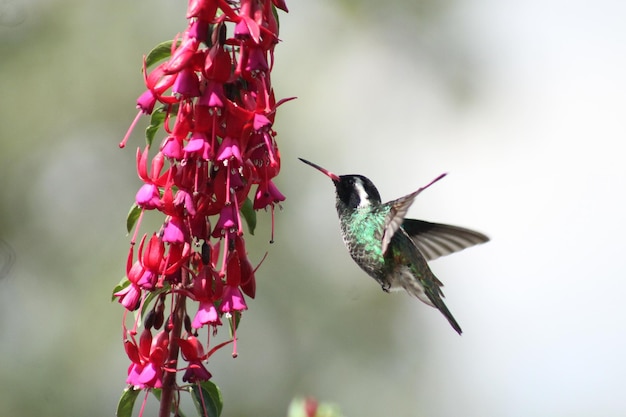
(217, 107)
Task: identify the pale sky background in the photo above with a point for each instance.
(535, 161)
(522, 103)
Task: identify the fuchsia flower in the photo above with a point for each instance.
(267, 194)
(148, 359)
(207, 292)
(129, 296)
(213, 104)
(193, 352)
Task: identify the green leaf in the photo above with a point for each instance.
(156, 121)
(207, 398)
(133, 216)
(249, 214)
(124, 282)
(156, 392)
(127, 403)
(159, 53)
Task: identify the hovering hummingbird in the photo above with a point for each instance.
(391, 249)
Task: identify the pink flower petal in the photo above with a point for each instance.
(232, 300)
(148, 197)
(207, 314)
(174, 231)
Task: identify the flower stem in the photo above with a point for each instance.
(169, 379)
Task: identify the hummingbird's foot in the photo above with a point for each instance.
(385, 286)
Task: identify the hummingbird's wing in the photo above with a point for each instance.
(397, 210)
(435, 239)
(395, 217)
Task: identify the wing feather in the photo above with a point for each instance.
(398, 209)
(436, 239)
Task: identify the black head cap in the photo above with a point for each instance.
(356, 191)
(352, 190)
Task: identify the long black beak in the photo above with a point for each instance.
(324, 171)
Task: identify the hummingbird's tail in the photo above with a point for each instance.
(440, 305)
(429, 291)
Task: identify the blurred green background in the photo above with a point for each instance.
(523, 103)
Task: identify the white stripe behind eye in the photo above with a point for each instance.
(360, 190)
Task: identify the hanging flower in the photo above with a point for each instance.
(213, 103)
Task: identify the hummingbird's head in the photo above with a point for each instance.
(354, 191)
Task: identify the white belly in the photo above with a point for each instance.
(402, 278)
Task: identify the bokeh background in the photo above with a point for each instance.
(523, 103)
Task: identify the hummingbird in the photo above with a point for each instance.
(393, 250)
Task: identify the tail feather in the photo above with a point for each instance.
(440, 305)
(429, 294)
(414, 275)
(435, 295)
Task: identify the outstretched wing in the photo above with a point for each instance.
(435, 239)
(397, 211)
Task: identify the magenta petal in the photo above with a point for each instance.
(173, 231)
(187, 83)
(229, 149)
(267, 194)
(129, 297)
(133, 375)
(241, 28)
(207, 313)
(148, 374)
(226, 221)
(189, 205)
(148, 196)
(147, 280)
(260, 121)
(196, 143)
(172, 148)
(232, 300)
(256, 60)
(184, 198)
(146, 102)
(275, 193)
(213, 95)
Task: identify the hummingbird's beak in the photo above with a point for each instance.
(326, 172)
